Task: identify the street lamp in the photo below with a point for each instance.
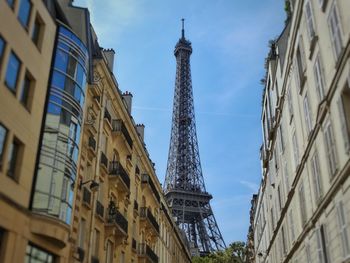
(93, 185)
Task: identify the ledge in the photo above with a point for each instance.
(51, 229)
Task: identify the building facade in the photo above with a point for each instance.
(302, 211)
(76, 181)
(120, 214)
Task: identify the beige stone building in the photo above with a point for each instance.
(76, 181)
(120, 214)
(303, 206)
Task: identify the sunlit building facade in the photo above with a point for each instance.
(120, 214)
(302, 212)
(76, 181)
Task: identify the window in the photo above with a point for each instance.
(295, 150)
(302, 204)
(27, 91)
(284, 243)
(24, 12)
(2, 48)
(14, 158)
(81, 236)
(279, 197)
(321, 248)
(290, 102)
(2, 244)
(308, 253)
(96, 246)
(335, 31)
(11, 3)
(37, 31)
(319, 78)
(307, 113)
(3, 135)
(109, 252)
(291, 226)
(12, 72)
(281, 139)
(272, 219)
(309, 20)
(343, 229)
(344, 114)
(300, 63)
(316, 177)
(330, 148)
(35, 254)
(122, 257)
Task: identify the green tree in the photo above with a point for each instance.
(234, 253)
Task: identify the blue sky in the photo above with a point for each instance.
(230, 41)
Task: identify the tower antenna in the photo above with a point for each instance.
(183, 27)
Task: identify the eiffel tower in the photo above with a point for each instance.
(184, 183)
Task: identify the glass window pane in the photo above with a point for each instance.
(3, 133)
(61, 60)
(2, 47)
(13, 158)
(58, 80)
(24, 12)
(12, 72)
(11, 3)
(25, 99)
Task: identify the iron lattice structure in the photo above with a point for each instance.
(184, 183)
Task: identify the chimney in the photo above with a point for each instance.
(127, 96)
(140, 128)
(109, 54)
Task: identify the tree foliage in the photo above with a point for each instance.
(234, 253)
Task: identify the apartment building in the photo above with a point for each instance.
(302, 212)
(76, 181)
(120, 214)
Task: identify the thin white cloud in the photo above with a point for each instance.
(252, 186)
(112, 18)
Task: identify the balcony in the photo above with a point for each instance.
(104, 161)
(118, 173)
(86, 197)
(119, 128)
(146, 252)
(147, 183)
(116, 221)
(149, 220)
(100, 210)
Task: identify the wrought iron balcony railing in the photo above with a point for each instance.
(145, 250)
(119, 126)
(145, 213)
(146, 179)
(116, 169)
(100, 209)
(104, 160)
(115, 217)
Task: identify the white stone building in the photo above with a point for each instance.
(303, 206)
